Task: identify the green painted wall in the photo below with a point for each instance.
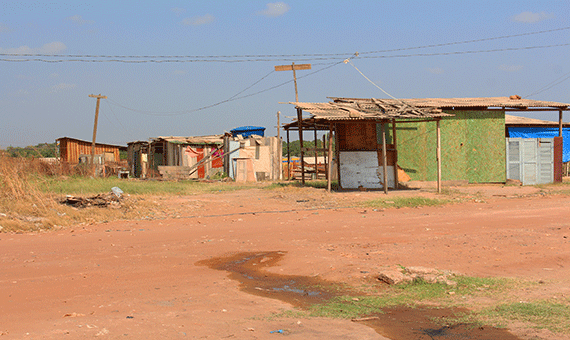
(472, 148)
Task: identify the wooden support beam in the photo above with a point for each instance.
(384, 157)
(438, 156)
(288, 158)
(300, 120)
(560, 123)
(396, 179)
(329, 167)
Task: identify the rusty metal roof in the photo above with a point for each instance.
(515, 102)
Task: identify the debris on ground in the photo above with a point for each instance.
(395, 276)
(111, 200)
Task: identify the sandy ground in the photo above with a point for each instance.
(140, 280)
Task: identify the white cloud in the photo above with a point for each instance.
(54, 75)
(531, 18)
(61, 87)
(78, 19)
(197, 21)
(510, 68)
(435, 70)
(49, 48)
(275, 9)
(4, 28)
(178, 11)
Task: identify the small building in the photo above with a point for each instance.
(255, 158)
(74, 151)
(186, 157)
(522, 127)
(137, 158)
(431, 139)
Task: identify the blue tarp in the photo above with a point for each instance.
(247, 131)
(544, 132)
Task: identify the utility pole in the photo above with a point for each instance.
(294, 67)
(99, 96)
(278, 126)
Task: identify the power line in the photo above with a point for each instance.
(233, 98)
(204, 58)
(272, 60)
(469, 41)
(465, 52)
(551, 84)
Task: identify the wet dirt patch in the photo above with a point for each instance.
(401, 322)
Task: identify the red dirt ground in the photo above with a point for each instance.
(140, 280)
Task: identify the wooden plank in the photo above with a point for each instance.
(290, 67)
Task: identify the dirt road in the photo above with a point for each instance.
(140, 279)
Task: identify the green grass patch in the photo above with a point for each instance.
(412, 294)
(91, 186)
(405, 202)
(541, 314)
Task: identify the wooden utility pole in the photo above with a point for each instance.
(99, 96)
(294, 67)
(278, 125)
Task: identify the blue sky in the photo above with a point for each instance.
(41, 101)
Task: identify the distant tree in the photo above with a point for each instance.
(39, 150)
(295, 148)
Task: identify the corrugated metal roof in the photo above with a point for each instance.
(511, 120)
(211, 139)
(457, 103)
(121, 147)
(368, 109)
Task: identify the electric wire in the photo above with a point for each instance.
(550, 85)
(348, 61)
(273, 60)
(288, 60)
(118, 121)
(248, 56)
(233, 98)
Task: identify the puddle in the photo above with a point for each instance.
(400, 322)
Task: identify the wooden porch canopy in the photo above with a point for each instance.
(324, 116)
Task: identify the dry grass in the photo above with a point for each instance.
(30, 201)
(31, 193)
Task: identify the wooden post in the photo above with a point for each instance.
(329, 167)
(325, 158)
(300, 125)
(288, 158)
(99, 96)
(438, 156)
(337, 154)
(396, 179)
(316, 153)
(560, 123)
(278, 125)
(293, 68)
(384, 158)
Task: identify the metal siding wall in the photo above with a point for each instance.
(535, 161)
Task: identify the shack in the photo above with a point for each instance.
(523, 127)
(137, 157)
(431, 139)
(74, 151)
(186, 157)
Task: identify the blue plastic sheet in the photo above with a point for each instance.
(544, 132)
